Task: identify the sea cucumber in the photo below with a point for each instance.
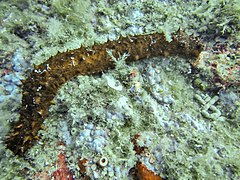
(41, 86)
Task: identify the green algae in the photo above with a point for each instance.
(42, 28)
(51, 27)
(186, 138)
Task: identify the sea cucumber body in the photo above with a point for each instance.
(41, 86)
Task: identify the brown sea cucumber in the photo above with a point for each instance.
(41, 86)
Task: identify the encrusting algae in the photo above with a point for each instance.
(40, 88)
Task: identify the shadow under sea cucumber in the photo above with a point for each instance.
(40, 88)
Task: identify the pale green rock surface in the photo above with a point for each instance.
(189, 139)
